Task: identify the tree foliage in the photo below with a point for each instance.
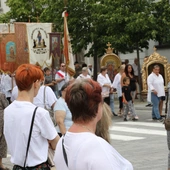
(126, 24)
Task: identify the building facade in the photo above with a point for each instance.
(3, 7)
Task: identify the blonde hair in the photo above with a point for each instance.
(102, 128)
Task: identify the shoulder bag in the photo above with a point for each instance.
(49, 110)
(29, 138)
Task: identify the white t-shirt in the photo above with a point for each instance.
(90, 72)
(117, 84)
(7, 85)
(50, 97)
(135, 68)
(17, 122)
(61, 74)
(156, 83)
(14, 93)
(104, 80)
(86, 151)
(82, 76)
(62, 105)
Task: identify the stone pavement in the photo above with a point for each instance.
(142, 142)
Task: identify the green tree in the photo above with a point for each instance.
(128, 25)
(161, 11)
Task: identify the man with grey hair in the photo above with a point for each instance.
(155, 83)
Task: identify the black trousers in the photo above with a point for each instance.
(120, 102)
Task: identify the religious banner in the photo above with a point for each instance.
(22, 53)
(68, 54)
(55, 48)
(38, 43)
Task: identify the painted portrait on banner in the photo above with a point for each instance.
(10, 51)
(55, 48)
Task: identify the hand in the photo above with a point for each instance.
(155, 92)
(111, 90)
(125, 101)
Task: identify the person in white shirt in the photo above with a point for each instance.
(45, 98)
(155, 83)
(117, 85)
(62, 113)
(7, 85)
(136, 74)
(105, 83)
(50, 98)
(83, 149)
(84, 74)
(61, 77)
(18, 118)
(90, 70)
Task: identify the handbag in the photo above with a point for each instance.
(51, 157)
(49, 110)
(29, 138)
(167, 124)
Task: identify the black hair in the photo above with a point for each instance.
(64, 86)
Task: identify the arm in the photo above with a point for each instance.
(124, 99)
(100, 81)
(58, 78)
(115, 82)
(54, 142)
(49, 84)
(150, 85)
(107, 85)
(122, 77)
(60, 117)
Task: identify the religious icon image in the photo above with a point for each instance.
(10, 51)
(39, 37)
(39, 41)
(55, 47)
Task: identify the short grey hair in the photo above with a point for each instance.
(84, 69)
(156, 66)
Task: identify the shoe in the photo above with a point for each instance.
(114, 114)
(135, 118)
(161, 119)
(154, 118)
(125, 119)
(119, 114)
(148, 105)
(163, 115)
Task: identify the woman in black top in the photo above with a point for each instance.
(129, 72)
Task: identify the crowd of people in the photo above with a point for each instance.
(68, 111)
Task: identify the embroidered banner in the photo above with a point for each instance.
(38, 43)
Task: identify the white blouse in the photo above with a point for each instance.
(102, 80)
(156, 83)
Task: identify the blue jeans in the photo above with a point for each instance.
(155, 108)
(112, 102)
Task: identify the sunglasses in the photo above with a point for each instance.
(63, 66)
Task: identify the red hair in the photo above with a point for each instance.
(83, 98)
(26, 75)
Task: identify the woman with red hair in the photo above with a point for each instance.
(17, 122)
(80, 148)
